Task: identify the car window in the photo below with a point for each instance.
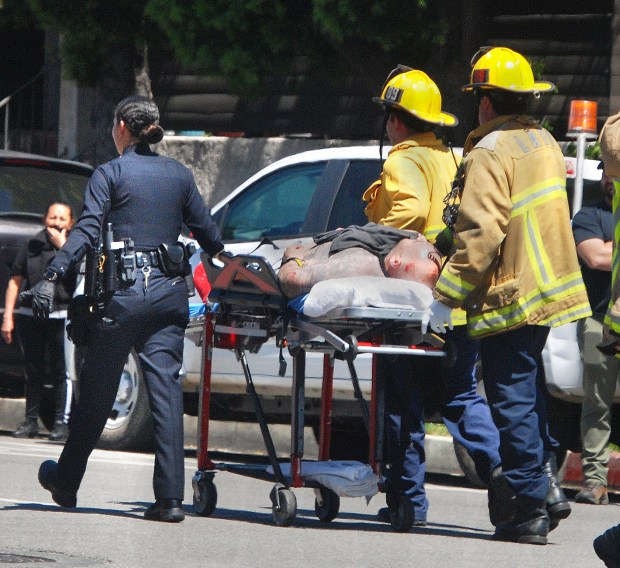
(348, 208)
(275, 206)
(25, 189)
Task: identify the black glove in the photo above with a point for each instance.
(41, 298)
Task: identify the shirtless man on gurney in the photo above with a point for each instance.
(358, 251)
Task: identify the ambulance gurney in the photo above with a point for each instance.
(249, 308)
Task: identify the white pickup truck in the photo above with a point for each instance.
(287, 202)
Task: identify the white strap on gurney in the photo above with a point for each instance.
(345, 478)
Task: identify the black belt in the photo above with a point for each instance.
(147, 258)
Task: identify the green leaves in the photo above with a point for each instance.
(244, 40)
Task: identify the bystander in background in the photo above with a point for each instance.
(41, 341)
(593, 228)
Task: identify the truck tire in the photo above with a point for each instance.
(466, 463)
(130, 425)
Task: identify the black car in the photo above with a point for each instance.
(28, 184)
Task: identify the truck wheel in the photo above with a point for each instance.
(130, 425)
(466, 463)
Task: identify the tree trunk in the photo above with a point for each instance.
(141, 72)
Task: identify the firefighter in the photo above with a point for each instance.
(607, 545)
(515, 271)
(415, 179)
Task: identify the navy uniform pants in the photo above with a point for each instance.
(153, 322)
(410, 382)
(510, 363)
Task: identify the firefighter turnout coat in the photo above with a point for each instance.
(416, 177)
(515, 262)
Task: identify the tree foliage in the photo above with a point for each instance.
(243, 40)
(92, 31)
(246, 40)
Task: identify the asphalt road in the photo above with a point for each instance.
(107, 528)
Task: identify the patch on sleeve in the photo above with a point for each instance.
(489, 141)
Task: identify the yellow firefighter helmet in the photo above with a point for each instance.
(416, 93)
(502, 68)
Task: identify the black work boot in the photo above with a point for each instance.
(556, 501)
(60, 432)
(530, 524)
(166, 510)
(48, 478)
(502, 505)
(27, 429)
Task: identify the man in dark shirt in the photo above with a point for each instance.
(593, 231)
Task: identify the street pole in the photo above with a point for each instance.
(581, 125)
(581, 156)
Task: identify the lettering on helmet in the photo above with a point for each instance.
(480, 76)
(393, 94)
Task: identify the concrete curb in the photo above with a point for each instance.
(245, 438)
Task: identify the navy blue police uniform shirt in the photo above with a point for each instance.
(595, 222)
(150, 197)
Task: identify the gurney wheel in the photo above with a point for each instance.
(284, 506)
(402, 517)
(328, 509)
(206, 503)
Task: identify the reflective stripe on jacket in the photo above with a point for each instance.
(515, 262)
(612, 318)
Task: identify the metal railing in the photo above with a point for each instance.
(19, 94)
(4, 103)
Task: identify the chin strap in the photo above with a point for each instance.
(386, 116)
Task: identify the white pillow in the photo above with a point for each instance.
(360, 291)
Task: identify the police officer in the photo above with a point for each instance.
(146, 198)
(516, 273)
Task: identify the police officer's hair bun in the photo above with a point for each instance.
(141, 116)
(151, 134)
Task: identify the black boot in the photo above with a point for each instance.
(60, 432)
(48, 478)
(27, 429)
(556, 501)
(529, 526)
(166, 510)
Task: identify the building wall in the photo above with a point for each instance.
(614, 74)
(576, 42)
